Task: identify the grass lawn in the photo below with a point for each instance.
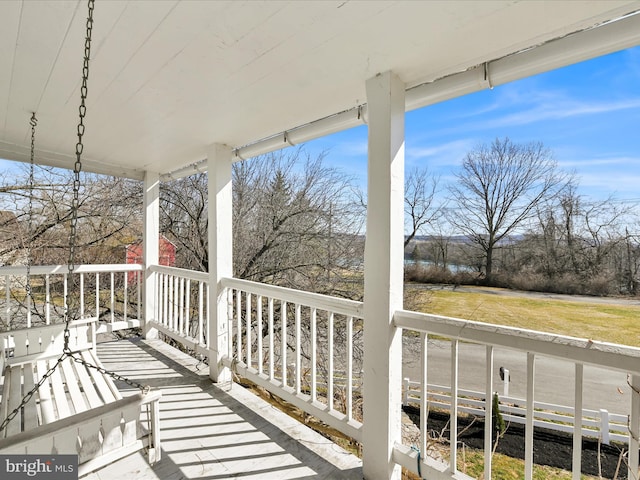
(616, 323)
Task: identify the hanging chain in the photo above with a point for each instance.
(29, 287)
(33, 122)
(75, 206)
(77, 168)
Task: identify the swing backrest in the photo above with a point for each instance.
(28, 344)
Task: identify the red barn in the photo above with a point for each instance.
(167, 254)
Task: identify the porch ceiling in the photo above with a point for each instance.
(169, 78)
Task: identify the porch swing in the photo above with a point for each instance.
(56, 396)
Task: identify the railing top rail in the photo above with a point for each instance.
(580, 350)
(62, 269)
(180, 272)
(323, 302)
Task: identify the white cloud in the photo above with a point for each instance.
(445, 154)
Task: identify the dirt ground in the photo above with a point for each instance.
(549, 447)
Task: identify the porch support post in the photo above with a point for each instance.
(383, 276)
(150, 248)
(220, 257)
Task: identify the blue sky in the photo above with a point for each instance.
(587, 114)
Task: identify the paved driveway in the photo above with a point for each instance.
(554, 381)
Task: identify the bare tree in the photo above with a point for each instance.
(183, 219)
(109, 216)
(419, 202)
(498, 189)
(295, 222)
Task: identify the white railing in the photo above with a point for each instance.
(578, 351)
(599, 424)
(301, 346)
(110, 293)
(181, 307)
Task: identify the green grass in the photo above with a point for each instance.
(507, 468)
(615, 323)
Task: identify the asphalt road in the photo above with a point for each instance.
(554, 379)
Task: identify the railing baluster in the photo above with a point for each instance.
(488, 413)
(453, 423)
(528, 441)
(187, 308)
(207, 338)
(157, 300)
(176, 303)
(576, 466)
(349, 405)
(165, 294)
(330, 357)
(47, 293)
(271, 346)
(180, 302)
(7, 292)
(229, 319)
(200, 313)
(170, 301)
(29, 310)
(139, 294)
(248, 321)
(239, 325)
(314, 355)
(424, 399)
(65, 299)
(283, 341)
(125, 299)
(634, 428)
(298, 372)
(81, 295)
(97, 295)
(113, 299)
(260, 358)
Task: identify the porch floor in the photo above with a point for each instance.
(208, 433)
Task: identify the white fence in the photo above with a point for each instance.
(578, 351)
(595, 423)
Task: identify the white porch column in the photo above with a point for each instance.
(220, 257)
(150, 247)
(383, 275)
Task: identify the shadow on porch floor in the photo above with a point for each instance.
(208, 433)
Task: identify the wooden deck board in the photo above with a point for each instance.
(208, 433)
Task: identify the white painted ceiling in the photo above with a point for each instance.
(168, 79)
